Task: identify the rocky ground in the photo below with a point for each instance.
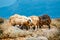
(14, 33)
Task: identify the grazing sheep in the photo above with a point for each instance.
(12, 19)
(26, 25)
(22, 21)
(30, 22)
(44, 20)
(34, 22)
(17, 19)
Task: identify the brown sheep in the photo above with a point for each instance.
(44, 20)
(34, 22)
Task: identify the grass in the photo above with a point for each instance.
(50, 34)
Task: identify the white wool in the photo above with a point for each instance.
(15, 16)
(18, 19)
(23, 17)
(19, 16)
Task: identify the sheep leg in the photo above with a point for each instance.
(35, 28)
(40, 26)
(26, 27)
(22, 27)
(48, 25)
(30, 27)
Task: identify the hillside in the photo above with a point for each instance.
(44, 33)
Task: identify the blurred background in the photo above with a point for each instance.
(30, 7)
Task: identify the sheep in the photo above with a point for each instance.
(21, 21)
(34, 22)
(30, 22)
(17, 19)
(44, 20)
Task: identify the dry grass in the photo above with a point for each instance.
(56, 22)
(14, 33)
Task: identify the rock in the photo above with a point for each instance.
(1, 20)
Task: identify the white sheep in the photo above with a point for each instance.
(19, 20)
